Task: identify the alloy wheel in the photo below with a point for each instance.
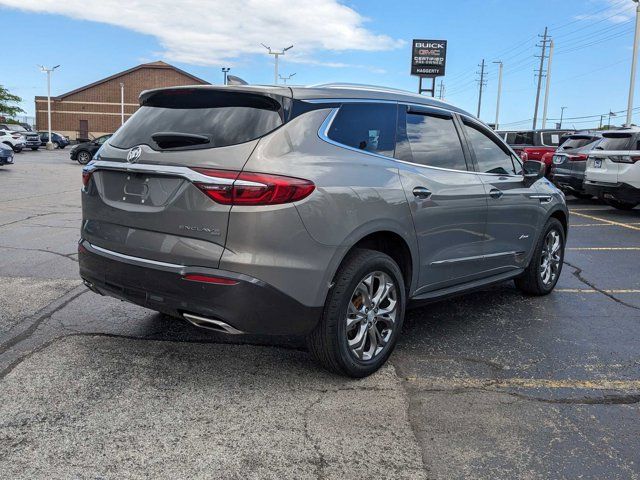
(551, 257)
(371, 316)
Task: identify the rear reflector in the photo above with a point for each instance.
(193, 277)
(250, 188)
(86, 176)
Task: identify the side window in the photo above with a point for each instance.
(490, 156)
(429, 140)
(102, 139)
(366, 126)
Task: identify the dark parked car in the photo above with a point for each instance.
(321, 211)
(6, 154)
(570, 161)
(60, 141)
(535, 143)
(84, 152)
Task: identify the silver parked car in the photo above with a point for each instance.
(320, 211)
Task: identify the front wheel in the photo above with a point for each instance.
(17, 149)
(543, 272)
(84, 157)
(362, 316)
(34, 148)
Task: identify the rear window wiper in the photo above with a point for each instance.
(178, 139)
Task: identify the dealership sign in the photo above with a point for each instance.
(428, 58)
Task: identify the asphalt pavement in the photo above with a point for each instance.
(490, 385)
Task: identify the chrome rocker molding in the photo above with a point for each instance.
(211, 324)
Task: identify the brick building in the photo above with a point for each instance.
(94, 109)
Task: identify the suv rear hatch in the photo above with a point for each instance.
(606, 159)
(144, 193)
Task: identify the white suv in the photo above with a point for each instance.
(613, 169)
(13, 139)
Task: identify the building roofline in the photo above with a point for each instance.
(158, 65)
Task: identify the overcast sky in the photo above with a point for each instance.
(347, 41)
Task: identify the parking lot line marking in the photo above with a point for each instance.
(598, 219)
(455, 383)
(591, 290)
(606, 249)
(599, 224)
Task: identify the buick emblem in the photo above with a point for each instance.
(134, 154)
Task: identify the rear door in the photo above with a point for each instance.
(446, 198)
(145, 195)
(514, 209)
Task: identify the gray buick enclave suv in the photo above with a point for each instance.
(320, 211)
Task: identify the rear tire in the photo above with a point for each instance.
(357, 333)
(536, 279)
(582, 196)
(621, 205)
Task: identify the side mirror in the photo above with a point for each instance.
(532, 170)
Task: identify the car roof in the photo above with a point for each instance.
(331, 91)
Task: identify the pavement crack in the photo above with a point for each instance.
(321, 463)
(69, 256)
(578, 274)
(35, 215)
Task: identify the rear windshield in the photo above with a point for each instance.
(577, 142)
(224, 118)
(616, 142)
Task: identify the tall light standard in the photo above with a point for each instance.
(225, 70)
(284, 79)
(562, 109)
(632, 83)
(500, 67)
(48, 72)
(121, 103)
(276, 54)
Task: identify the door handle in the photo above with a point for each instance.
(495, 193)
(421, 192)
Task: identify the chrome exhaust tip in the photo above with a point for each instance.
(211, 324)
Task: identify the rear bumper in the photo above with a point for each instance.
(249, 306)
(622, 192)
(568, 182)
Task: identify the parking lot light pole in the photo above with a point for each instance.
(284, 79)
(225, 71)
(634, 61)
(276, 54)
(500, 66)
(48, 71)
(547, 86)
(121, 103)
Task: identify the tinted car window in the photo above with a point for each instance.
(522, 138)
(224, 118)
(430, 140)
(490, 155)
(616, 142)
(366, 126)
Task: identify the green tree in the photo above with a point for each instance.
(7, 101)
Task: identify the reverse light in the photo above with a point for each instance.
(194, 277)
(248, 188)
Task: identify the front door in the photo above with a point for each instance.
(515, 210)
(447, 200)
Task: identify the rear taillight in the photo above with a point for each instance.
(248, 188)
(577, 158)
(624, 158)
(194, 277)
(86, 176)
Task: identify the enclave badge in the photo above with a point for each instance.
(134, 154)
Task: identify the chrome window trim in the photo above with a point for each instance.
(172, 170)
(323, 134)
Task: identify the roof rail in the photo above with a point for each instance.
(359, 86)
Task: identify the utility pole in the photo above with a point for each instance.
(500, 66)
(441, 90)
(276, 54)
(548, 84)
(225, 70)
(632, 83)
(121, 103)
(601, 118)
(562, 109)
(49, 71)
(482, 84)
(284, 79)
(545, 40)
